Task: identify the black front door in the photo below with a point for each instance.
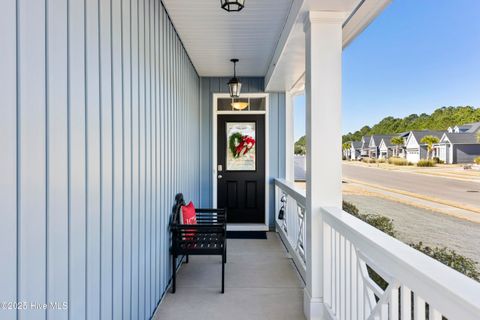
(241, 167)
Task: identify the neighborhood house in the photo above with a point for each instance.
(365, 146)
(458, 147)
(417, 150)
(376, 149)
(354, 153)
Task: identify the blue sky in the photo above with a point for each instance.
(418, 55)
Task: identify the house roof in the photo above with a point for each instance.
(377, 138)
(473, 127)
(461, 138)
(420, 134)
(356, 144)
(466, 128)
(388, 142)
(366, 140)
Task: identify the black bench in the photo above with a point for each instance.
(207, 237)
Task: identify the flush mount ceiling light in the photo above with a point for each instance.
(234, 84)
(232, 5)
(239, 105)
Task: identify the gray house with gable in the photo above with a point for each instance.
(364, 150)
(375, 143)
(460, 144)
(458, 147)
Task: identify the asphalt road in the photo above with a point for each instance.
(458, 191)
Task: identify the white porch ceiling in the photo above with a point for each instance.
(213, 36)
(267, 35)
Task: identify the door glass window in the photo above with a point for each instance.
(241, 153)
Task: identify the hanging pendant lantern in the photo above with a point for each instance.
(232, 5)
(234, 84)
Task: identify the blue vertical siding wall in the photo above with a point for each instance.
(276, 152)
(99, 129)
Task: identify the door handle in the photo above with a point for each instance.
(220, 176)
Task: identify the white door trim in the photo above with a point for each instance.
(215, 113)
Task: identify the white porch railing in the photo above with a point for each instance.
(292, 227)
(416, 286)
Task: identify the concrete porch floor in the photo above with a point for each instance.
(261, 282)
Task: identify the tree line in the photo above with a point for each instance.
(440, 119)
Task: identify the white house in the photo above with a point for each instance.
(386, 149)
(415, 149)
(355, 150)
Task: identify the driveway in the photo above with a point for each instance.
(452, 190)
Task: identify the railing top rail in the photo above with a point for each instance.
(444, 288)
(292, 190)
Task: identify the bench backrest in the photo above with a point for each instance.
(179, 202)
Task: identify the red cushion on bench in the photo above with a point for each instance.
(188, 214)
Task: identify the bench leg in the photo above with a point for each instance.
(186, 259)
(225, 254)
(223, 274)
(174, 273)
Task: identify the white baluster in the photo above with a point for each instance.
(353, 284)
(292, 225)
(384, 312)
(341, 314)
(406, 301)
(348, 280)
(334, 271)
(366, 300)
(338, 270)
(435, 314)
(419, 308)
(332, 268)
(327, 263)
(393, 310)
(361, 296)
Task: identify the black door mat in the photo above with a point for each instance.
(246, 235)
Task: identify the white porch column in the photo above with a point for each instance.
(323, 90)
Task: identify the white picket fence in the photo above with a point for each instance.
(415, 286)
